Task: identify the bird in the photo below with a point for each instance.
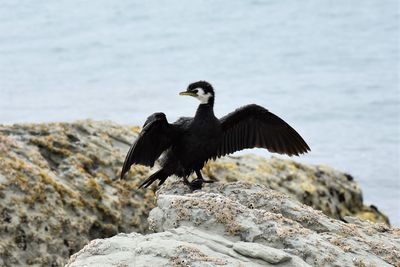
(183, 147)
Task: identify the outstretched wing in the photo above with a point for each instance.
(254, 126)
(155, 137)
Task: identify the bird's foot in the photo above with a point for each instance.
(208, 181)
(197, 184)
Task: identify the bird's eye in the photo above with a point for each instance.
(195, 91)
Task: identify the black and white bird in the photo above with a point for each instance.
(189, 143)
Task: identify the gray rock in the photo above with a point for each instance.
(57, 190)
(243, 224)
(61, 180)
(253, 213)
(335, 193)
(184, 246)
(258, 251)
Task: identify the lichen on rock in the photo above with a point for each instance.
(335, 193)
(291, 227)
(59, 189)
(218, 227)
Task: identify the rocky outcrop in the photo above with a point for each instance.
(184, 246)
(59, 188)
(322, 187)
(243, 224)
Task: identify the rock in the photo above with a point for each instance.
(184, 246)
(57, 190)
(61, 180)
(254, 213)
(322, 187)
(243, 224)
(258, 251)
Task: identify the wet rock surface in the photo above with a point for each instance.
(59, 188)
(243, 224)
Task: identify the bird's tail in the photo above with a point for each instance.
(161, 175)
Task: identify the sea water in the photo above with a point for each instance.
(329, 68)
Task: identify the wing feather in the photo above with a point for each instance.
(156, 136)
(254, 126)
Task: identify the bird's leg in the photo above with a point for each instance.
(186, 181)
(199, 176)
(198, 182)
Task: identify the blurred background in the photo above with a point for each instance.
(329, 68)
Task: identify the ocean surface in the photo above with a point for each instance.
(329, 68)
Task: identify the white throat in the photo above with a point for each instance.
(202, 96)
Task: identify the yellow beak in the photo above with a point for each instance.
(187, 93)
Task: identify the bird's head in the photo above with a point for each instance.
(201, 90)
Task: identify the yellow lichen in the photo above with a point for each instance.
(308, 187)
(367, 216)
(60, 188)
(136, 129)
(44, 143)
(94, 188)
(264, 168)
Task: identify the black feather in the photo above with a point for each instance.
(265, 130)
(190, 142)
